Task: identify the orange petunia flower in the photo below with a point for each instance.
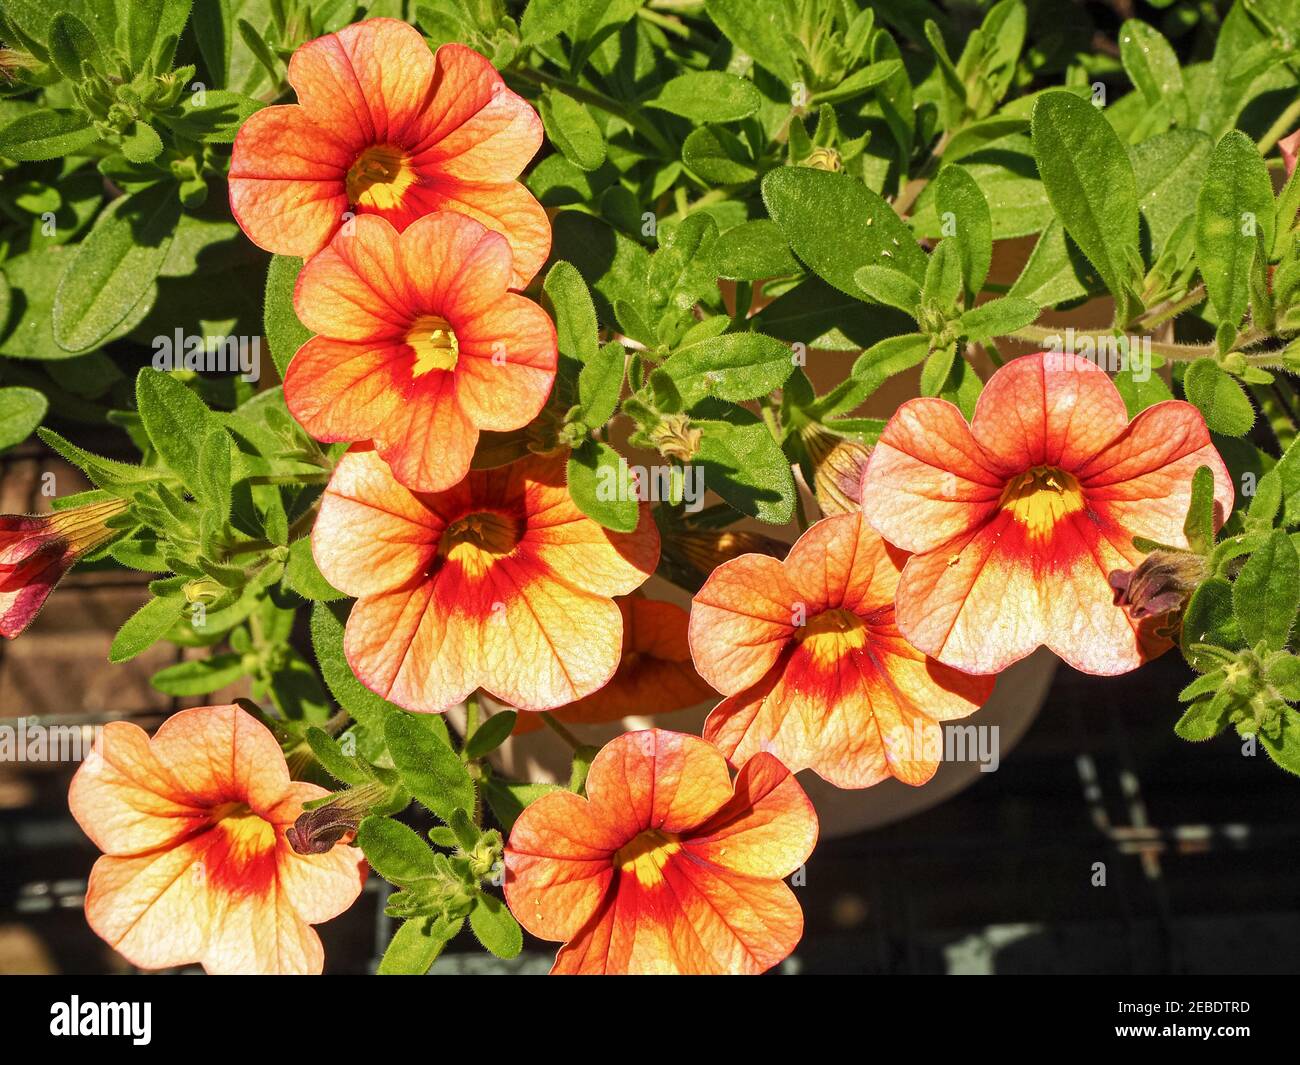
(196, 865)
(813, 665)
(654, 676)
(383, 126)
(37, 550)
(1018, 519)
(500, 583)
(419, 345)
(665, 867)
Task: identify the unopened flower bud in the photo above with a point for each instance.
(674, 438)
(838, 466)
(1161, 584)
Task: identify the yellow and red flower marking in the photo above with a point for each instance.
(654, 675)
(500, 582)
(384, 127)
(665, 867)
(196, 866)
(814, 668)
(37, 550)
(1017, 520)
(419, 345)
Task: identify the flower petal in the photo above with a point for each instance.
(356, 289)
(287, 174)
(767, 829)
(656, 779)
(507, 363)
(558, 864)
(507, 208)
(654, 676)
(373, 77)
(1142, 481)
(372, 534)
(741, 620)
(700, 919)
(1047, 409)
(927, 480)
(342, 390)
(475, 129)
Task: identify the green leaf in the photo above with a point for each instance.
(1219, 397)
(285, 333)
(495, 926)
(71, 44)
(1203, 720)
(997, 317)
(1089, 181)
(1153, 67)
(146, 627)
(1235, 202)
(491, 734)
(115, 266)
(735, 367)
(416, 944)
(892, 356)
(964, 218)
(396, 852)
(1266, 593)
(708, 96)
(200, 677)
(893, 288)
(176, 421)
(753, 251)
(718, 156)
(1284, 749)
(302, 575)
(103, 473)
(214, 121)
(333, 760)
(46, 134)
(600, 384)
(1199, 524)
(817, 209)
(21, 411)
(574, 311)
(601, 486)
(1209, 619)
(572, 129)
(141, 143)
(430, 769)
(937, 368)
(743, 463)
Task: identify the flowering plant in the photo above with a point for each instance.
(533, 280)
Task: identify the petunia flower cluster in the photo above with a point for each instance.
(953, 550)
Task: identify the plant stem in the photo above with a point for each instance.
(471, 715)
(568, 737)
(1285, 122)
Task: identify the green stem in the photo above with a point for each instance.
(1286, 122)
(472, 710)
(568, 737)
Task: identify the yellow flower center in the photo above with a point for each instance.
(830, 635)
(646, 856)
(379, 178)
(477, 540)
(249, 834)
(434, 343)
(1040, 497)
